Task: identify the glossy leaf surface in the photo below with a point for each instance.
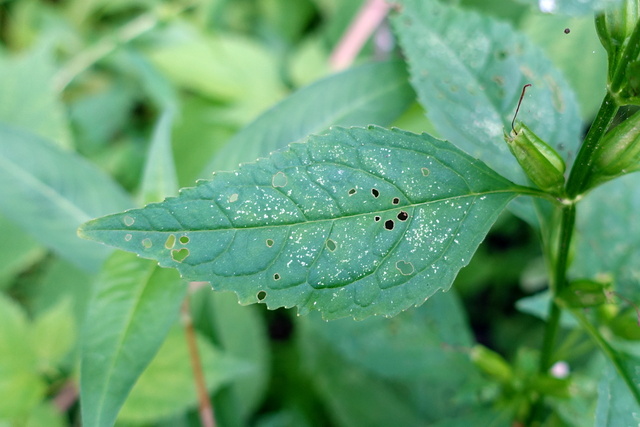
(355, 222)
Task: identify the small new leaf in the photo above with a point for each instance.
(356, 222)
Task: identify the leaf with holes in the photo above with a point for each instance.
(355, 222)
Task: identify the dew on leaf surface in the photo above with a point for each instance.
(147, 243)
(232, 198)
(127, 237)
(128, 221)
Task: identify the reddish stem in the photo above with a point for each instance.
(207, 418)
(362, 27)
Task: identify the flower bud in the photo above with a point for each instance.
(491, 363)
(618, 152)
(583, 293)
(615, 27)
(540, 162)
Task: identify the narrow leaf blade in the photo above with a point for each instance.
(134, 306)
(355, 222)
(50, 192)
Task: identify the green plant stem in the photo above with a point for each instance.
(609, 351)
(582, 167)
(558, 283)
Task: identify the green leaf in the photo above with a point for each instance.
(383, 365)
(371, 93)
(167, 386)
(355, 222)
(160, 180)
(608, 240)
(570, 7)
(28, 98)
(20, 385)
(54, 334)
(134, 305)
(23, 251)
(49, 192)
(221, 66)
(616, 406)
(579, 55)
(469, 70)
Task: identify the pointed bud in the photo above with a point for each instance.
(583, 293)
(491, 363)
(616, 27)
(618, 153)
(540, 162)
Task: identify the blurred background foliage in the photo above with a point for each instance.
(103, 78)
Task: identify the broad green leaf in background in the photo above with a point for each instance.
(223, 67)
(413, 368)
(371, 93)
(49, 192)
(469, 70)
(166, 387)
(134, 305)
(21, 387)
(616, 406)
(240, 332)
(28, 98)
(354, 222)
(578, 54)
(608, 240)
(570, 7)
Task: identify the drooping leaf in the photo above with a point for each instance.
(355, 222)
(371, 93)
(167, 387)
(49, 192)
(134, 305)
(469, 70)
